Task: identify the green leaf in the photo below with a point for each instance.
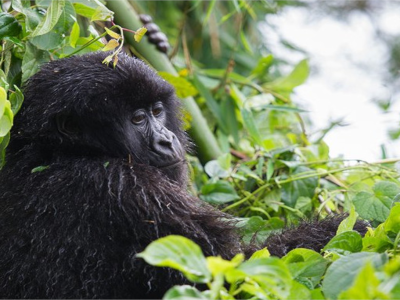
(9, 26)
(182, 86)
(348, 241)
(6, 119)
(218, 192)
(376, 205)
(184, 292)
(250, 125)
(366, 286)
(3, 145)
(112, 44)
(392, 224)
(179, 253)
(271, 274)
(218, 265)
(263, 253)
(139, 34)
(297, 77)
(51, 18)
(348, 223)
(306, 265)
(342, 273)
(292, 191)
(212, 105)
(101, 13)
(16, 99)
(262, 66)
(39, 169)
(84, 10)
(299, 292)
(75, 33)
(32, 60)
(256, 229)
(214, 169)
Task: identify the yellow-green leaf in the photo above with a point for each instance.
(112, 44)
(112, 33)
(139, 34)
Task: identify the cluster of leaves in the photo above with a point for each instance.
(349, 267)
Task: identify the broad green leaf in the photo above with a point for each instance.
(299, 291)
(51, 18)
(218, 192)
(184, 292)
(297, 77)
(392, 224)
(342, 273)
(345, 242)
(271, 274)
(366, 286)
(305, 264)
(84, 10)
(6, 119)
(101, 13)
(182, 86)
(376, 205)
(179, 253)
(263, 253)
(214, 169)
(217, 264)
(48, 41)
(75, 33)
(292, 191)
(250, 125)
(377, 240)
(32, 60)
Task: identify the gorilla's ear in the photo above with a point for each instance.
(67, 126)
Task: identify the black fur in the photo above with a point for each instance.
(72, 229)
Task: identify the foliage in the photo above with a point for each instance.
(272, 171)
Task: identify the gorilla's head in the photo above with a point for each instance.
(80, 106)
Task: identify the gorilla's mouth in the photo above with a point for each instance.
(172, 165)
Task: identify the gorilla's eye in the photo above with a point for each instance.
(138, 118)
(157, 109)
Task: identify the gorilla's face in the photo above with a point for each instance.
(157, 142)
(94, 110)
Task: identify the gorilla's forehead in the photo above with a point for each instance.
(85, 82)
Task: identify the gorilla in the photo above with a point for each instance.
(95, 172)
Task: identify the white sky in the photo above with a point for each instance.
(349, 63)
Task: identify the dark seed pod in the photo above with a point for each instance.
(145, 19)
